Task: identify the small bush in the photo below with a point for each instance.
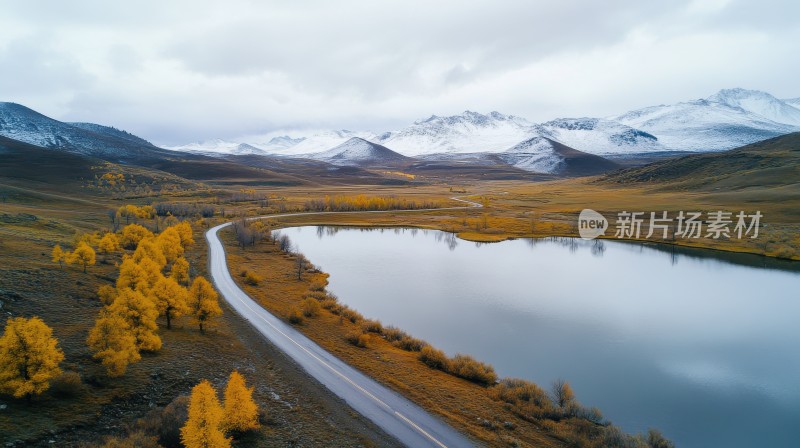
(372, 326)
(433, 358)
(252, 279)
(467, 367)
(656, 440)
(310, 307)
(66, 385)
(517, 391)
(358, 338)
(317, 286)
(352, 315)
(393, 334)
(410, 344)
(166, 423)
(335, 308)
(295, 316)
(329, 304)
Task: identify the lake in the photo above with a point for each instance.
(700, 344)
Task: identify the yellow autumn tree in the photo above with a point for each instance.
(169, 241)
(241, 411)
(140, 314)
(92, 239)
(149, 248)
(203, 428)
(83, 255)
(112, 342)
(131, 275)
(132, 234)
(146, 211)
(171, 299)
(180, 271)
(152, 272)
(29, 357)
(184, 229)
(107, 294)
(203, 302)
(109, 243)
(59, 256)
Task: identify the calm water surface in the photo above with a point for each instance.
(707, 349)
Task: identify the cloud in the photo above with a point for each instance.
(193, 70)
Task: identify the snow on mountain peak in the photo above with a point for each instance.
(759, 103)
(356, 151)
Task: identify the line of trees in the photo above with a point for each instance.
(184, 209)
(366, 203)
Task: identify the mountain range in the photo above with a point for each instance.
(728, 119)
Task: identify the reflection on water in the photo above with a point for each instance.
(698, 343)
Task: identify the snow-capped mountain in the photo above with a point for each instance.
(543, 155)
(312, 142)
(759, 103)
(600, 136)
(794, 102)
(357, 151)
(727, 119)
(710, 124)
(26, 125)
(535, 154)
(469, 132)
(280, 143)
(217, 147)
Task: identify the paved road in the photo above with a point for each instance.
(393, 413)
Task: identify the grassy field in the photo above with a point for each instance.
(31, 222)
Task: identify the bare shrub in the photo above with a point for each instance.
(67, 385)
(171, 420)
(563, 396)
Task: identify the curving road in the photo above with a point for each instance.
(398, 416)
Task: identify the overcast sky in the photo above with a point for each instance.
(175, 72)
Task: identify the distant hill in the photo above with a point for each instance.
(26, 125)
(770, 163)
(546, 156)
(26, 162)
(360, 152)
